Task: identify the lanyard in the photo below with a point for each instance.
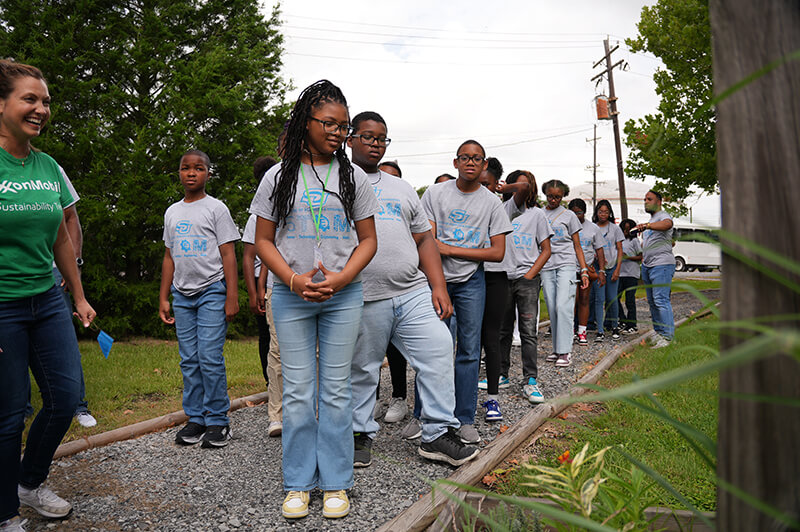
(316, 217)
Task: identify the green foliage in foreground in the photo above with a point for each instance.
(142, 379)
(645, 437)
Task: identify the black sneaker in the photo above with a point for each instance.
(216, 436)
(190, 434)
(600, 337)
(362, 450)
(615, 333)
(448, 448)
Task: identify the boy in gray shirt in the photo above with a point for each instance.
(401, 308)
(465, 216)
(199, 269)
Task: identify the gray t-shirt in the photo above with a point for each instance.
(611, 234)
(465, 220)
(530, 230)
(394, 270)
(564, 224)
(590, 241)
(72, 191)
(249, 237)
(630, 248)
(508, 264)
(296, 237)
(194, 232)
(657, 245)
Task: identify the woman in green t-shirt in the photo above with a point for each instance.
(35, 326)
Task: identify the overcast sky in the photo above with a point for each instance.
(514, 75)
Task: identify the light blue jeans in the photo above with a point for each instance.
(200, 326)
(658, 297)
(558, 286)
(411, 324)
(606, 313)
(317, 419)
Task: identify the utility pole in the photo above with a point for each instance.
(612, 99)
(594, 140)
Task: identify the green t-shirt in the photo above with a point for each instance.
(32, 198)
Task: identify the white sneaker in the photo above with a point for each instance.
(532, 392)
(86, 419)
(44, 501)
(660, 342)
(274, 429)
(15, 524)
(397, 410)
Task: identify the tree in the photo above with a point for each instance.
(759, 157)
(676, 145)
(135, 83)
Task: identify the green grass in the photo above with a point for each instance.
(642, 435)
(142, 379)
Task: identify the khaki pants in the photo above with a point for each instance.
(275, 389)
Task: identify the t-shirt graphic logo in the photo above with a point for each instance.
(458, 216)
(318, 198)
(183, 227)
(186, 246)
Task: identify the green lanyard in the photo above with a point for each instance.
(316, 217)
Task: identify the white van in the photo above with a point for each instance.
(692, 252)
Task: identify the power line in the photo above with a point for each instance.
(418, 28)
(483, 136)
(407, 36)
(526, 141)
(451, 63)
(460, 47)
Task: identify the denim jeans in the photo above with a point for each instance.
(606, 310)
(658, 297)
(200, 326)
(525, 297)
(411, 324)
(35, 331)
(83, 405)
(558, 286)
(317, 419)
(468, 301)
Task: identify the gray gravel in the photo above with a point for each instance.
(152, 484)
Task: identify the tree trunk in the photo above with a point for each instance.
(758, 141)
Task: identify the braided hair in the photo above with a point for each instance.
(312, 97)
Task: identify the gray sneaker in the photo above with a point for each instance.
(468, 434)
(44, 501)
(15, 524)
(412, 431)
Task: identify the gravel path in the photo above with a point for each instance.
(152, 484)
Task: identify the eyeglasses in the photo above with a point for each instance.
(333, 127)
(369, 139)
(464, 159)
(554, 196)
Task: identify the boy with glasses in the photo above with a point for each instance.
(400, 307)
(465, 217)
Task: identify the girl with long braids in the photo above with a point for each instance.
(316, 232)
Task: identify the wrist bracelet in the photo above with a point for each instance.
(585, 275)
(291, 282)
(584, 269)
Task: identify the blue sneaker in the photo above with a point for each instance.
(492, 410)
(502, 383)
(532, 391)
